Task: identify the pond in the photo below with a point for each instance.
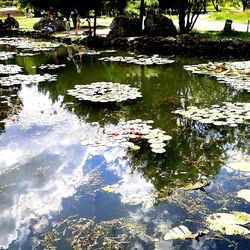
(60, 189)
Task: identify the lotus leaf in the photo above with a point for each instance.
(181, 232)
(229, 223)
(110, 188)
(139, 60)
(244, 194)
(240, 165)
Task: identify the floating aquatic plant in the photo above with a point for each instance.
(140, 60)
(182, 232)
(27, 54)
(105, 92)
(28, 44)
(229, 223)
(243, 166)
(244, 194)
(10, 69)
(51, 66)
(235, 74)
(128, 134)
(230, 114)
(19, 79)
(5, 55)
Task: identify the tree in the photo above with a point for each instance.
(188, 11)
(142, 7)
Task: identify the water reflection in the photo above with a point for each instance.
(47, 177)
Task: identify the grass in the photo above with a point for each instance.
(236, 16)
(221, 34)
(26, 23)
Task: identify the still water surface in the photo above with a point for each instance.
(51, 192)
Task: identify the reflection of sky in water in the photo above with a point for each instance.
(32, 149)
(42, 163)
(42, 148)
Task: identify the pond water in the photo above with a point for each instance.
(56, 192)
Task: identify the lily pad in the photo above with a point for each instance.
(20, 79)
(110, 188)
(228, 114)
(229, 223)
(196, 186)
(105, 92)
(5, 55)
(244, 194)
(10, 69)
(139, 60)
(240, 165)
(181, 232)
(235, 74)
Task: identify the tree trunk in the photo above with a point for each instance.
(142, 12)
(95, 17)
(182, 15)
(215, 4)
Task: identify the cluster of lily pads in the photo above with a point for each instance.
(105, 92)
(230, 114)
(28, 44)
(52, 66)
(235, 74)
(5, 55)
(10, 69)
(20, 79)
(139, 60)
(128, 134)
(27, 54)
(94, 52)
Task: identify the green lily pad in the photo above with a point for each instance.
(244, 194)
(196, 186)
(181, 232)
(110, 188)
(229, 223)
(240, 166)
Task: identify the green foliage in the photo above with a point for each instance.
(236, 16)
(221, 35)
(133, 8)
(6, 3)
(63, 6)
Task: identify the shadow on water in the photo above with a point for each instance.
(67, 195)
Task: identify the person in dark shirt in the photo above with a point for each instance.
(74, 15)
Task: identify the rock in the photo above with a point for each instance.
(58, 23)
(125, 27)
(95, 42)
(159, 26)
(10, 22)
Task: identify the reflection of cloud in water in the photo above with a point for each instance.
(134, 188)
(53, 146)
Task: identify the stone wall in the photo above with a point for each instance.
(184, 45)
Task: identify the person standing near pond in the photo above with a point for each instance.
(245, 4)
(74, 15)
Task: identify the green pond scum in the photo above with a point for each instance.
(165, 165)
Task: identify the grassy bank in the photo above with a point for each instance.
(237, 16)
(220, 35)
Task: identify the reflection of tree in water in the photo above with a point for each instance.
(102, 113)
(9, 104)
(188, 157)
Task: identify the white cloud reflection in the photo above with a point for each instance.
(24, 146)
